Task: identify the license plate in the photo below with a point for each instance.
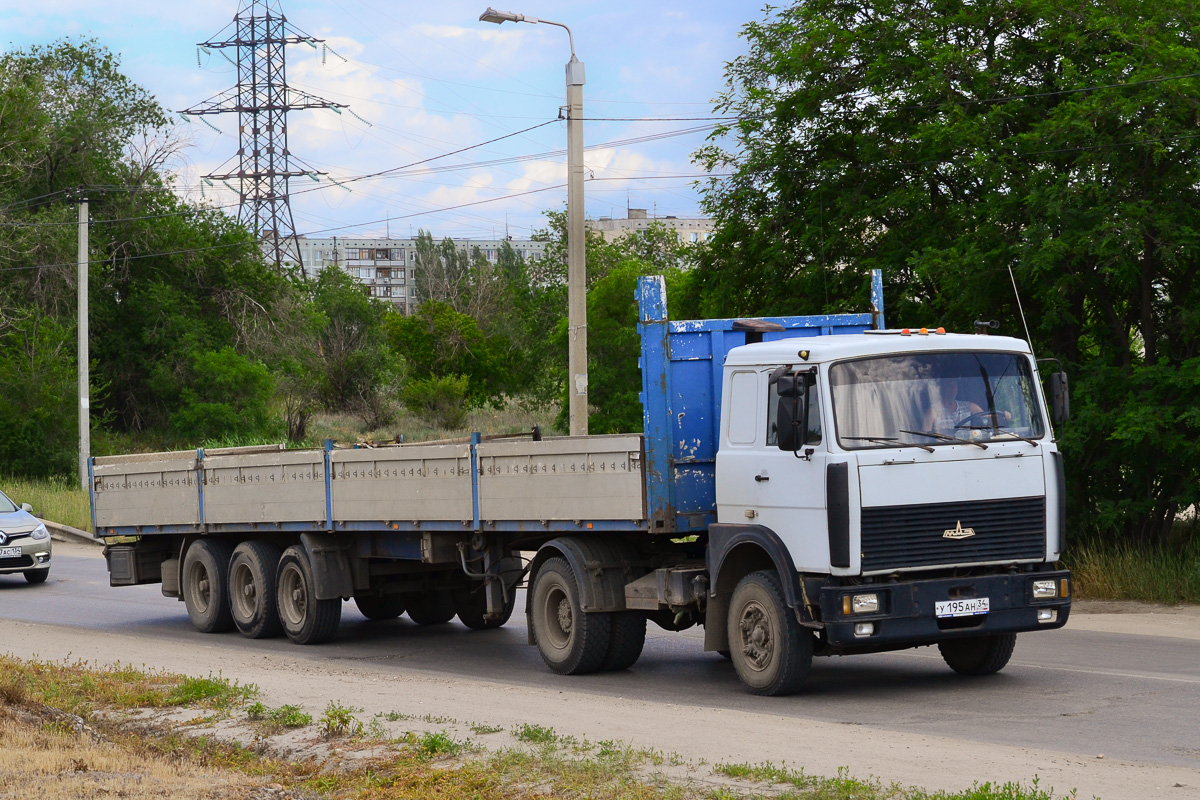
(9, 552)
(961, 608)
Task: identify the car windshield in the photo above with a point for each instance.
(934, 399)
(6, 506)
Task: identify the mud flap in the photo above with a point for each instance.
(330, 565)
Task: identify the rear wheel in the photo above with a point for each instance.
(206, 585)
(770, 651)
(626, 641)
(471, 607)
(380, 606)
(430, 608)
(570, 641)
(980, 655)
(305, 619)
(252, 577)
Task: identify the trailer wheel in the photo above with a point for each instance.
(471, 606)
(430, 608)
(206, 585)
(626, 641)
(979, 655)
(252, 585)
(379, 606)
(571, 642)
(306, 620)
(770, 651)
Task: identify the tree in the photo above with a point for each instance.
(949, 143)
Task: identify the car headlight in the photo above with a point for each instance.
(40, 532)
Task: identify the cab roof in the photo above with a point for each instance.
(876, 343)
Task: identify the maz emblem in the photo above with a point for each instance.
(958, 532)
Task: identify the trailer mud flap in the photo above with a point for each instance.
(330, 566)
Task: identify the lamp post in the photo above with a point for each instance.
(576, 251)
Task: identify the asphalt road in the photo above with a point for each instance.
(1128, 696)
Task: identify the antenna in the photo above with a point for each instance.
(1022, 310)
(262, 99)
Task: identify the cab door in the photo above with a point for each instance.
(759, 484)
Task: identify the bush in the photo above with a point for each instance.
(228, 395)
(439, 401)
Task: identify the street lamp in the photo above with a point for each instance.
(576, 252)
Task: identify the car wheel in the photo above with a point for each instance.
(978, 655)
(37, 575)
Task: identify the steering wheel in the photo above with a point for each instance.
(985, 419)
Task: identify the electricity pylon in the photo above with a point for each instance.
(262, 100)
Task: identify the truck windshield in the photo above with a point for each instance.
(934, 399)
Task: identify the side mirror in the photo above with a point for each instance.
(792, 412)
(28, 509)
(1060, 397)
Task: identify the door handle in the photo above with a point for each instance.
(761, 478)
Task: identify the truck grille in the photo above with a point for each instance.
(16, 562)
(899, 537)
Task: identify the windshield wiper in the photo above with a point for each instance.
(945, 438)
(894, 442)
(996, 429)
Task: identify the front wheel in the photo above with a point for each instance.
(306, 620)
(979, 655)
(571, 642)
(36, 575)
(770, 651)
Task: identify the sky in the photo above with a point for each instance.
(422, 79)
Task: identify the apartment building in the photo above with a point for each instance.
(385, 266)
(689, 229)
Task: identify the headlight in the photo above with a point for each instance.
(865, 603)
(1045, 589)
(40, 532)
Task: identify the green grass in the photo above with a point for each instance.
(272, 720)
(426, 766)
(338, 720)
(1122, 572)
(59, 500)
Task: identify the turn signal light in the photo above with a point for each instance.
(1064, 587)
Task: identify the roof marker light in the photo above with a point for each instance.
(941, 331)
(924, 331)
(906, 332)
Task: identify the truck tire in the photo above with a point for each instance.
(571, 642)
(252, 585)
(471, 605)
(770, 651)
(305, 619)
(379, 606)
(206, 585)
(430, 608)
(626, 640)
(979, 655)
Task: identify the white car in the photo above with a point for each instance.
(24, 542)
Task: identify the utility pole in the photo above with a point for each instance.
(576, 252)
(81, 339)
(577, 366)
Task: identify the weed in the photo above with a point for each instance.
(483, 730)
(339, 720)
(1123, 572)
(535, 734)
(396, 716)
(217, 693)
(439, 743)
(273, 720)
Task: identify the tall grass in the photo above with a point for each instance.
(1104, 571)
(59, 499)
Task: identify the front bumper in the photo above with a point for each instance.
(35, 554)
(906, 611)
